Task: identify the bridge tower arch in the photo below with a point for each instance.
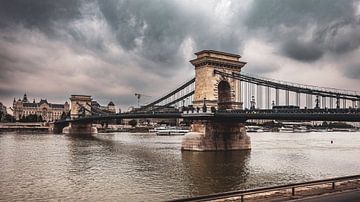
(224, 95)
(221, 93)
(207, 83)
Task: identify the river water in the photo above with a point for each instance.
(146, 167)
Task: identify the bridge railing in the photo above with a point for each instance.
(327, 89)
(309, 111)
(304, 89)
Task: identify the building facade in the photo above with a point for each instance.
(110, 108)
(3, 112)
(3, 109)
(48, 111)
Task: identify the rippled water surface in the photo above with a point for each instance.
(145, 167)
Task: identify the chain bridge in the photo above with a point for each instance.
(221, 98)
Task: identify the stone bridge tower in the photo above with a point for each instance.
(220, 93)
(78, 101)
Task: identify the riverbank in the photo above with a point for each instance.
(24, 127)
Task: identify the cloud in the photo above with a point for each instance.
(302, 51)
(112, 49)
(353, 71)
(307, 29)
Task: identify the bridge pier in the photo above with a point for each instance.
(58, 128)
(216, 136)
(79, 129)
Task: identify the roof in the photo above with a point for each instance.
(95, 103)
(31, 104)
(217, 52)
(43, 101)
(57, 105)
(28, 104)
(111, 104)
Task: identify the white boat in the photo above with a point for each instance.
(344, 129)
(286, 130)
(154, 130)
(321, 130)
(301, 129)
(254, 129)
(173, 130)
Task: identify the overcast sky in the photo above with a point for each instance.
(111, 49)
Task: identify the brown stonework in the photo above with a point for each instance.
(216, 136)
(80, 129)
(221, 93)
(83, 100)
(206, 82)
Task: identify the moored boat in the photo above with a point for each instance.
(301, 129)
(286, 129)
(173, 130)
(254, 129)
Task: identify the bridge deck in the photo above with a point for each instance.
(351, 115)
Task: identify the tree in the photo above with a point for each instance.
(9, 118)
(63, 116)
(22, 118)
(31, 118)
(133, 123)
(39, 118)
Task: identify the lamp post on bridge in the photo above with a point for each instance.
(337, 103)
(183, 105)
(204, 105)
(252, 103)
(317, 102)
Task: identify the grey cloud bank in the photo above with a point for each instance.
(112, 49)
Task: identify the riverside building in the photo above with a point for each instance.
(48, 111)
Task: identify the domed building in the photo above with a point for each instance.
(111, 107)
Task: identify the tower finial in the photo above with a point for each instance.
(25, 98)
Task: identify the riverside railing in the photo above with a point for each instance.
(292, 187)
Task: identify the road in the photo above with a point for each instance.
(349, 196)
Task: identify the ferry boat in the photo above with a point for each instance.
(170, 130)
(286, 130)
(301, 129)
(344, 129)
(254, 129)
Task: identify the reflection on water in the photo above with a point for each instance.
(213, 172)
(146, 167)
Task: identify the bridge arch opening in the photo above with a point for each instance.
(224, 95)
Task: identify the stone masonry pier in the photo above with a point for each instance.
(213, 91)
(216, 136)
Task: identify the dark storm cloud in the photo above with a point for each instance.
(306, 29)
(273, 13)
(39, 14)
(113, 48)
(156, 29)
(303, 51)
(340, 36)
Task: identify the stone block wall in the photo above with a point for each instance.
(216, 136)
